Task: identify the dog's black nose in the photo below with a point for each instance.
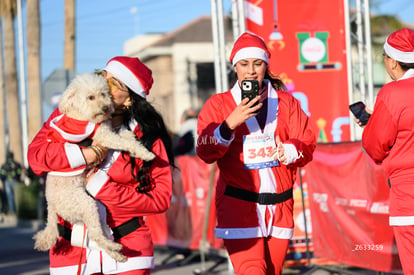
(105, 109)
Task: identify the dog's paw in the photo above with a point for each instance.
(118, 256)
(121, 258)
(43, 242)
(115, 246)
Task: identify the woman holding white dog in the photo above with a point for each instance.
(126, 189)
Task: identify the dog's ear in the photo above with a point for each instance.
(67, 101)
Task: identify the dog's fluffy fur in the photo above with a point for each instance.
(86, 98)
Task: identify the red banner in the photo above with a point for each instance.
(183, 224)
(308, 47)
(348, 197)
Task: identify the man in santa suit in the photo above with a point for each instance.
(258, 146)
(388, 138)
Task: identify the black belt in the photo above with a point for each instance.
(260, 198)
(118, 232)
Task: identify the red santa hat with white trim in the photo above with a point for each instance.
(132, 72)
(400, 45)
(249, 45)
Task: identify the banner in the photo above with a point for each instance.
(307, 41)
(183, 224)
(348, 199)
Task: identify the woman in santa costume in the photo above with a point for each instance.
(388, 138)
(126, 189)
(258, 149)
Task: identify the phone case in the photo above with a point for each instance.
(358, 109)
(250, 89)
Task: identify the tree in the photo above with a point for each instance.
(8, 9)
(383, 25)
(33, 67)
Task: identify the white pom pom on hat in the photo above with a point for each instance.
(132, 72)
(400, 45)
(249, 45)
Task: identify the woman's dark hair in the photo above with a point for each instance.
(277, 83)
(406, 66)
(152, 126)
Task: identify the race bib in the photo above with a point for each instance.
(259, 151)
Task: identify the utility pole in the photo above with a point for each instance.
(23, 101)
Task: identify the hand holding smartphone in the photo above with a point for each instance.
(358, 109)
(250, 89)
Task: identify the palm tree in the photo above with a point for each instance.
(70, 32)
(8, 10)
(33, 67)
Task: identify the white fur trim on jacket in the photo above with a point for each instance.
(291, 154)
(401, 220)
(74, 155)
(96, 182)
(253, 232)
(220, 140)
(92, 266)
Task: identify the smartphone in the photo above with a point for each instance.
(250, 89)
(358, 109)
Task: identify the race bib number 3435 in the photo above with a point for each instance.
(259, 151)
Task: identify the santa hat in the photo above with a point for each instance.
(132, 72)
(400, 46)
(249, 45)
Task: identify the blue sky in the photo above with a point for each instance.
(104, 25)
(403, 9)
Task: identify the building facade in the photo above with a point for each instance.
(182, 63)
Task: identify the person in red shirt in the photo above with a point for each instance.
(258, 149)
(388, 138)
(126, 189)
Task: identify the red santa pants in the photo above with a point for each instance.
(259, 256)
(404, 236)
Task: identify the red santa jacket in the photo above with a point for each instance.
(388, 138)
(238, 218)
(115, 188)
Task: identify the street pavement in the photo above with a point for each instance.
(17, 257)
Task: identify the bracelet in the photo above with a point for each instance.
(98, 154)
(101, 152)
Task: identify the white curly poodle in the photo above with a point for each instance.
(86, 106)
